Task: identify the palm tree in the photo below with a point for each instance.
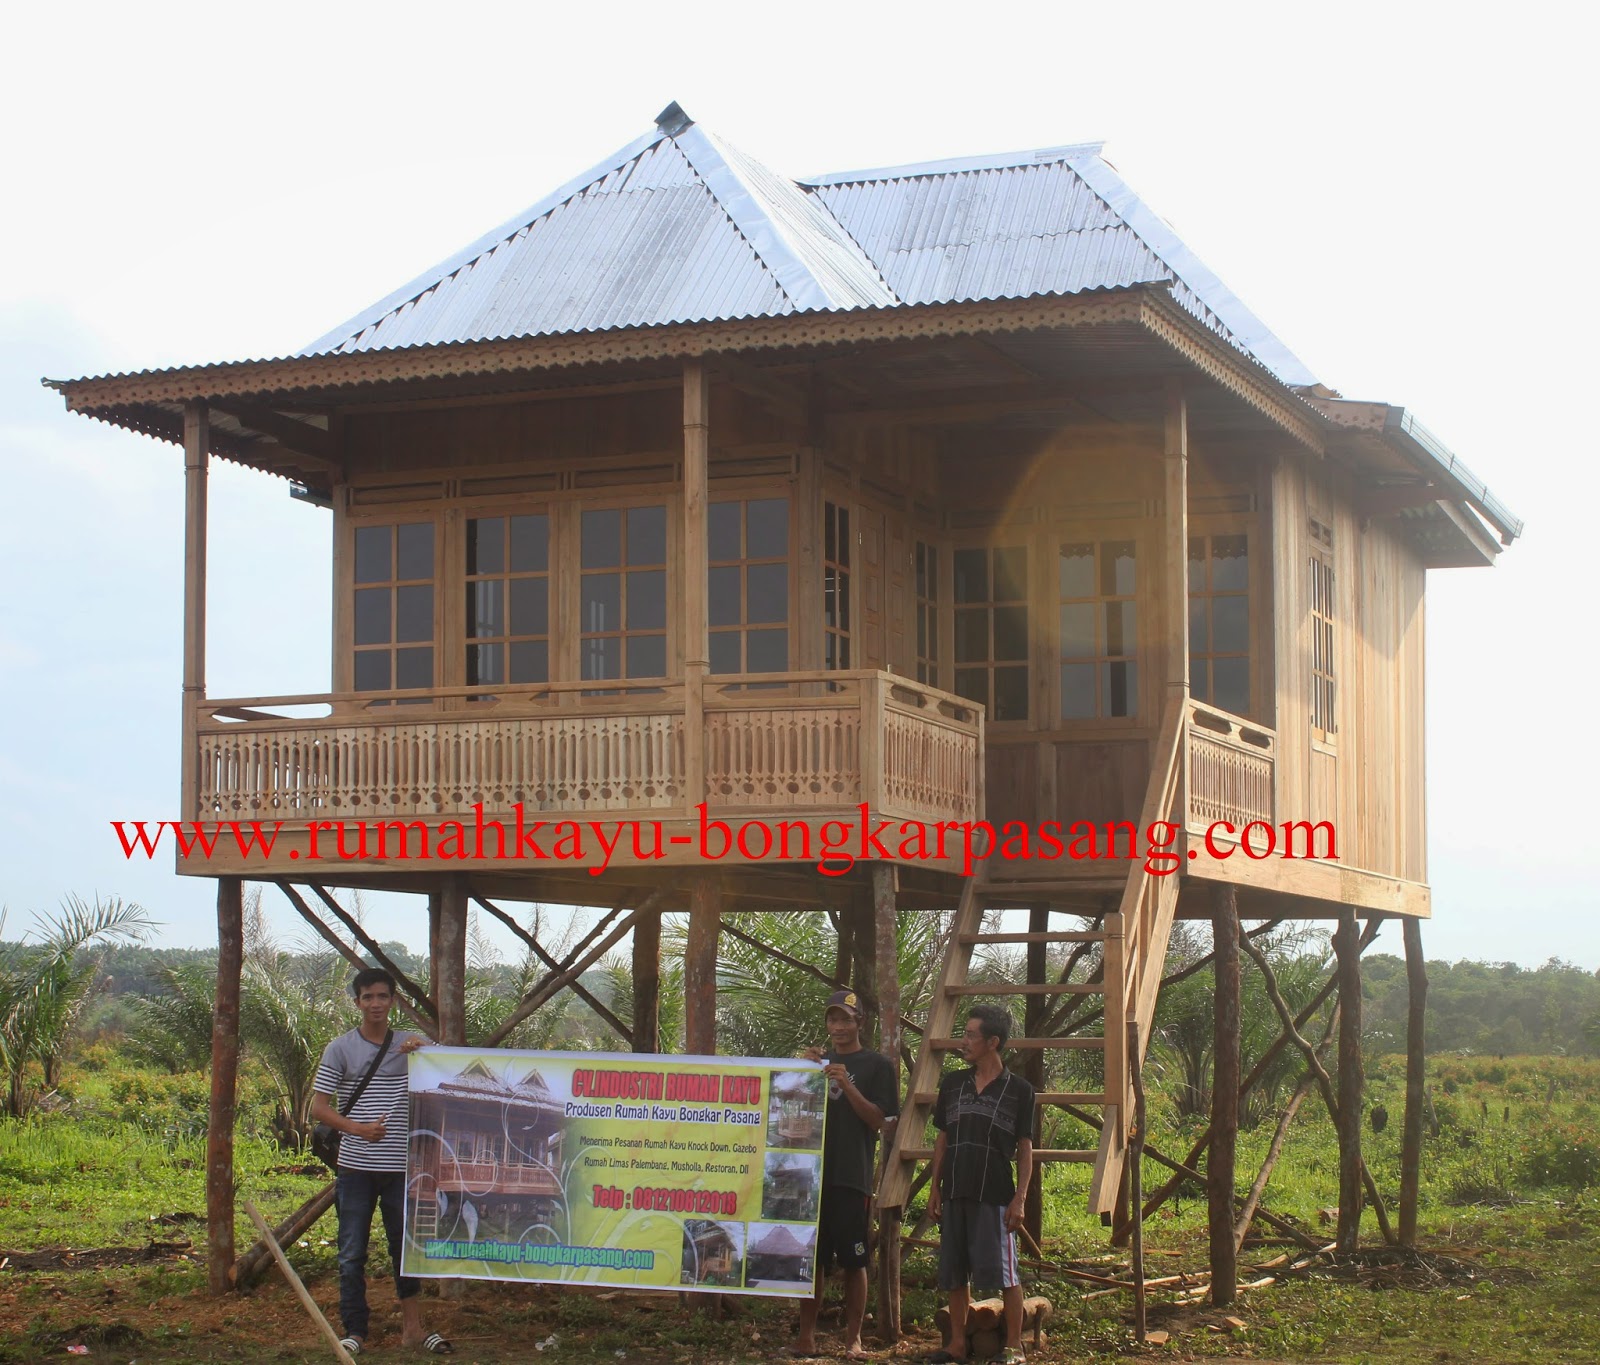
(45, 984)
(174, 1027)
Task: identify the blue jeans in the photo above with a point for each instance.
(357, 1194)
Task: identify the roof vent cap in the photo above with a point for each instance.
(672, 120)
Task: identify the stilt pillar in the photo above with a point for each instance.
(450, 962)
(646, 1022)
(700, 963)
(1347, 948)
(224, 1084)
(1224, 1096)
(885, 885)
(1035, 1012)
(1416, 1079)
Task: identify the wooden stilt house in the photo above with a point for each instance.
(758, 511)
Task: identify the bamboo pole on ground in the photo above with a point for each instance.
(1416, 1077)
(306, 1301)
(290, 1231)
(1224, 1096)
(224, 1084)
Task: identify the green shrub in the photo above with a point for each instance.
(1561, 1154)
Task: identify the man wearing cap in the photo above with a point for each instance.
(862, 1095)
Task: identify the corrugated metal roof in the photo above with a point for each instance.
(681, 227)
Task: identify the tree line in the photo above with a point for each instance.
(91, 971)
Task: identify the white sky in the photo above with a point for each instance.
(1400, 191)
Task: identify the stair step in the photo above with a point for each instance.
(1042, 1096)
(1053, 936)
(1026, 1044)
(1084, 1155)
(1049, 988)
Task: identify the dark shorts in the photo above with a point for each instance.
(842, 1226)
(975, 1248)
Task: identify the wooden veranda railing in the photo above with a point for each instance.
(799, 742)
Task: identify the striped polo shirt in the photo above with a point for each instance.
(387, 1096)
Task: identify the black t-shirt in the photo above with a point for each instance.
(981, 1129)
(847, 1148)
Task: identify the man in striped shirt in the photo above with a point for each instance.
(374, 1134)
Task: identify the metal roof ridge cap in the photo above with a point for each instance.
(1251, 331)
(745, 211)
(992, 161)
(1398, 420)
(494, 237)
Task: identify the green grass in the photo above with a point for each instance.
(1511, 1187)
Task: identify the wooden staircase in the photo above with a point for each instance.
(1134, 949)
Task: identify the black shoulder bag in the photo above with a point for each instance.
(325, 1137)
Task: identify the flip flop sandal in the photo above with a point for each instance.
(434, 1344)
(350, 1345)
(944, 1358)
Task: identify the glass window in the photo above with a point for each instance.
(1219, 621)
(622, 593)
(927, 613)
(992, 628)
(392, 607)
(748, 585)
(1097, 583)
(836, 544)
(508, 599)
(1324, 612)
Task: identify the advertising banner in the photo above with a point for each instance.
(624, 1169)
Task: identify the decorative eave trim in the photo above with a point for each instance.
(1145, 305)
(1215, 358)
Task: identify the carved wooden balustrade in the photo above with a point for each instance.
(1230, 774)
(804, 743)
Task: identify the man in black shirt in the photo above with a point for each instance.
(862, 1094)
(985, 1117)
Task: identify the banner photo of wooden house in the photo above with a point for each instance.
(608, 1169)
(781, 1258)
(794, 1114)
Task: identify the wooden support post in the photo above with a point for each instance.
(224, 1084)
(1175, 540)
(1347, 949)
(1035, 1010)
(1136, 1178)
(450, 971)
(647, 982)
(1416, 1078)
(695, 608)
(196, 467)
(885, 924)
(700, 964)
(1224, 1095)
(864, 964)
(885, 921)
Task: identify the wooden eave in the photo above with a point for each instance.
(277, 415)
